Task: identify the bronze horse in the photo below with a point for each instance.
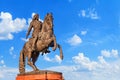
(46, 39)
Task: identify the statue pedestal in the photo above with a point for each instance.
(40, 75)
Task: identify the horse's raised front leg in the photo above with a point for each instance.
(55, 43)
(61, 52)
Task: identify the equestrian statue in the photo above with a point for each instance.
(42, 38)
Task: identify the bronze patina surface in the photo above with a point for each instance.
(42, 38)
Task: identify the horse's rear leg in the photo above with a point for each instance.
(30, 63)
(22, 62)
(35, 56)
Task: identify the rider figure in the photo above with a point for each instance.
(37, 26)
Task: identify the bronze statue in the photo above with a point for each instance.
(37, 26)
(43, 39)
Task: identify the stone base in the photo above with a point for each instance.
(40, 75)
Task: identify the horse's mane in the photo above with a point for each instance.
(48, 22)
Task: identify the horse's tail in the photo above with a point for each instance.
(61, 52)
(22, 62)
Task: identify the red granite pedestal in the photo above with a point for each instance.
(40, 75)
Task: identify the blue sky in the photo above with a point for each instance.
(87, 30)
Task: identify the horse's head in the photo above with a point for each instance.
(49, 16)
(49, 19)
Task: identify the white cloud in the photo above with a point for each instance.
(84, 61)
(102, 60)
(33, 14)
(107, 53)
(75, 40)
(114, 53)
(83, 32)
(83, 13)
(89, 13)
(76, 72)
(84, 68)
(9, 26)
(11, 50)
(62, 68)
(8, 73)
(2, 62)
(47, 58)
(24, 39)
(55, 59)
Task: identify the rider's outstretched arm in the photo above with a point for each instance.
(29, 29)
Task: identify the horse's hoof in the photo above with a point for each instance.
(61, 57)
(54, 48)
(37, 70)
